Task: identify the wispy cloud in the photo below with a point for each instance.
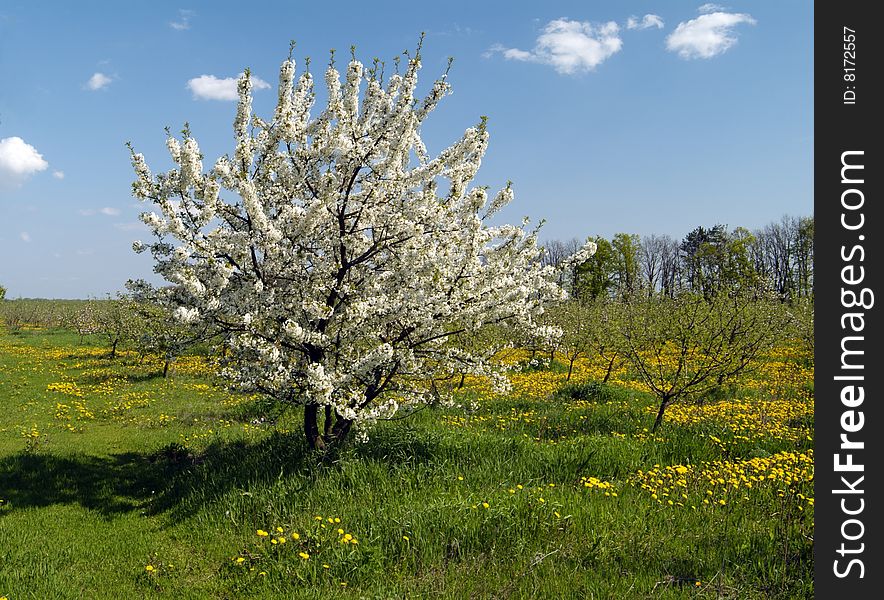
(183, 21)
(708, 35)
(107, 210)
(568, 46)
(209, 87)
(98, 81)
(25, 237)
(18, 161)
(58, 174)
(646, 22)
(709, 7)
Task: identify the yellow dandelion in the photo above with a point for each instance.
(240, 560)
(485, 505)
(296, 536)
(304, 555)
(406, 538)
(262, 533)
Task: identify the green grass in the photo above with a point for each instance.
(89, 503)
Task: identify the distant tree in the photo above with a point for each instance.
(651, 262)
(555, 253)
(154, 328)
(595, 276)
(117, 320)
(804, 233)
(626, 263)
(2, 293)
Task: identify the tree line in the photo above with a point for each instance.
(777, 257)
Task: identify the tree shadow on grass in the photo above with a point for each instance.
(170, 480)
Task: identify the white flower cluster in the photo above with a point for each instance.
(325, 251)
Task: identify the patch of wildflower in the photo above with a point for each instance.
(594, 483)
(747, 419)
(324, 545)
(68, 388)
(718, 483)
(33, 438)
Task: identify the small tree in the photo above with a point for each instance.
(2, 293)
(341, 255)
(117, 321)
(588, 330)
(687, 346)
(153, 327)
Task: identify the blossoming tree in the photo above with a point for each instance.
(335, 253)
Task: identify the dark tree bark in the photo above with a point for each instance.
(311, 426)
(663, 404)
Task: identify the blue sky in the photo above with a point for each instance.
(640, 117)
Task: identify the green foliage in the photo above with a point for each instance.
(595, 277)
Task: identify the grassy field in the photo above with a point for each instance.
(118, 483)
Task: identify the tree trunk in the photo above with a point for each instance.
(341, 429)
(610, 369)
(660, 412)
(311, 426)
(570, 368)
(113, 353)
(166, 369)
(327, 425)
(463, 378)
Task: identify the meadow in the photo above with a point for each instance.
(117, 482)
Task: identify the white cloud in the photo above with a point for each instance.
(646, 22)
(58, 174)
(98, 81)
(183, 22)
(209, 87)
(18, 161)
(706, 36)
(25, 236)
(570, 46)
(709, 7)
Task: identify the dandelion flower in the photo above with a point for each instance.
(304, 555)
(149, 568)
